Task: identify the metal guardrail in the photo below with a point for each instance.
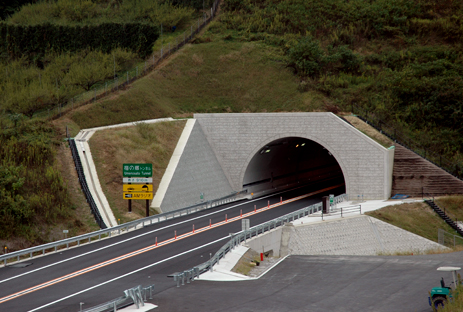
(237, 238)
(84, 185)
(137, 295)
(132, 225)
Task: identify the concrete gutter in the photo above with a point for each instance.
(92, 177)
(90, 172)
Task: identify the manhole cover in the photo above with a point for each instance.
(20, 265)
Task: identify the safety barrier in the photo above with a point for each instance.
(108, 232)
(83, 183)
(136, 295)
(237, 238)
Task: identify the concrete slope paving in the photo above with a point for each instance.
(357, 235)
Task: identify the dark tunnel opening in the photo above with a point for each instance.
(291, 161)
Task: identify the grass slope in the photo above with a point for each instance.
(417, 218)
(214, 77)
(143, 143)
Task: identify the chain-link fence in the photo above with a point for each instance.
(122, 79)
(448, 239)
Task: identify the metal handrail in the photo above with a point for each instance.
(239, 237)
(343, 210)
(140, 223)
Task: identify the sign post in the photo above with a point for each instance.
(137, 177)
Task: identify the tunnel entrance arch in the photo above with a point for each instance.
(291, 161)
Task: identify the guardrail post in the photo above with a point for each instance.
(341, 212)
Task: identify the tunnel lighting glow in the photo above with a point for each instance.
(297, 145)
(302, 144)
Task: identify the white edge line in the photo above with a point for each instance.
(127, 274)
(135, 237)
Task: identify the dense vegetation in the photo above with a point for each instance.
(399, 59)
(32, 192)
(50, 52)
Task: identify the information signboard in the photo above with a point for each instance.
(137, 187)
(137, 170)
(140, 195)
(137, 180)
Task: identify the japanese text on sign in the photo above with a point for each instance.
(143, 195)
(137, 170)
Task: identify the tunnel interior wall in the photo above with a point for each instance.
(289, 162)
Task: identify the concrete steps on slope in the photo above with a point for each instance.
(415, 176)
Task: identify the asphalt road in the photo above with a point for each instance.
(99, 272)
(322, 283)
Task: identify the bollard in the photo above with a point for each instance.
(268, 204)
(193, 228)
(254, 208)
(241, 213)
(175, 234)
(156, 241)
(210, 222)
(226, 219)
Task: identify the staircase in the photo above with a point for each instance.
(442, 214)
(413, 175)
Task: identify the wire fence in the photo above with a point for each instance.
(449, 240)
(122, 79)
(400, 135)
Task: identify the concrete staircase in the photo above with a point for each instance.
(445, 217)
(415, 176)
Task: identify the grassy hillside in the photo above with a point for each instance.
(143, 143)
(417, 218)
(216, 76)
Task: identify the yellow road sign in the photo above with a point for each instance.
(137, 187)
(140, 195)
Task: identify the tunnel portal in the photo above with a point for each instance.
(288, 162)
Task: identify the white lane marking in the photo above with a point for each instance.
(138, 236)
(127, 274)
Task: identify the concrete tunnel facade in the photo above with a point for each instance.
(215, 151)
